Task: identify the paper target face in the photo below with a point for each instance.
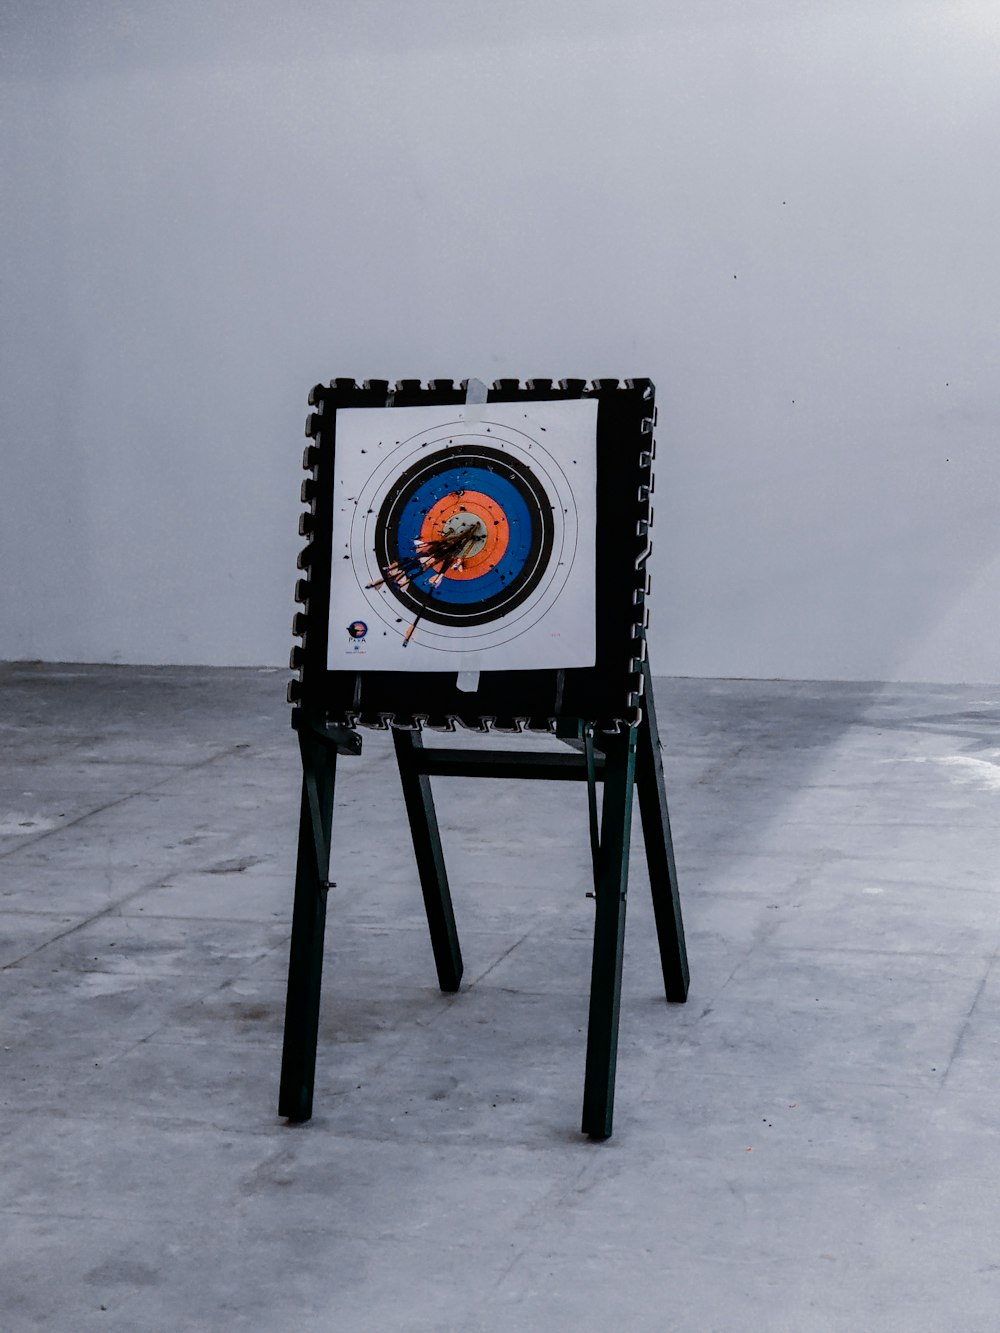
(463, 537)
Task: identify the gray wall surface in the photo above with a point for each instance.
(787, 214)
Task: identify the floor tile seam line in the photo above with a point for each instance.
(736, 850)
(906, 888)
(445, 1001)
(719, 766)
(161, 1027)
(279, 1125)
(506, 954)
(580, 993)
(846, 951)
(362, 927)
(526, 1221)
(961, 824)
(329, 960)
(133, 1043)
(928, 1085)
(282, 946)
(764, 932)
(395, 1045)
(80, 925)
(710, 1002)
(109, 910)
(30, 911)
(985, 952)
(388, 1045)
(800, 882)
(509, 1266)
(145, 978)
(118, 800)
(966, 1023)
(391, 1046)
(224, 1045)
(171, 1119)
(43, 761)
(139, 916)
(280, 1152)
(10, 1210)
(88, 814)
(473, 1143)
(198, 916)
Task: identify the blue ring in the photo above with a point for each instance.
(510, 500)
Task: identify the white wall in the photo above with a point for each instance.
(785, 213)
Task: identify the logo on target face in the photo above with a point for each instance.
(357, 629)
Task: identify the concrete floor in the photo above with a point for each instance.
(811, 1143)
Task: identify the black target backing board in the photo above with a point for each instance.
(566, 535)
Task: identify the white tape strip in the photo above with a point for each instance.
(476, 394)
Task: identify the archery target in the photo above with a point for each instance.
(463, 538)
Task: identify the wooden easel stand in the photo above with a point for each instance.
(624, 761)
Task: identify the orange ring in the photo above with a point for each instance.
(489, 513)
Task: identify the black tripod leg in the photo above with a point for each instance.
(305, 965)
(660, 851)
(430, 859)
(609, 937)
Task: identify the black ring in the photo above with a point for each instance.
(542, 534)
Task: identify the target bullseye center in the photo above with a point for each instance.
(475, 512)
(471, 527)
